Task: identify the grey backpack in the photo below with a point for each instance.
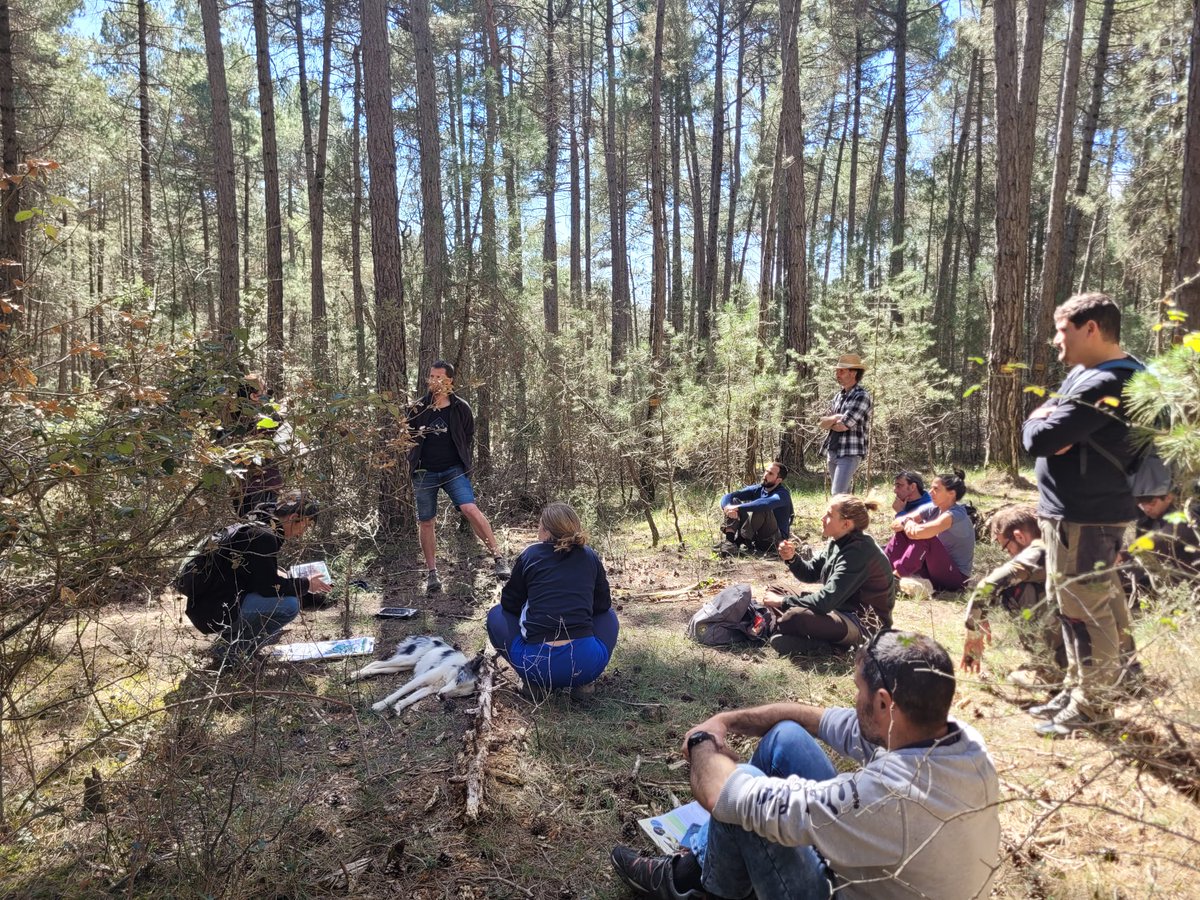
(729, 618)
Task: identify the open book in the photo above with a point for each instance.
(355, 646)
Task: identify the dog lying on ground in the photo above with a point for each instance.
(437, 668)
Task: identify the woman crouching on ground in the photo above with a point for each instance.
(555, 624)
(858, 589)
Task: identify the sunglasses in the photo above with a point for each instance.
(890, 687)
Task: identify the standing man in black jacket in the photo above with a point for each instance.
(1084, 504)
(443, 431)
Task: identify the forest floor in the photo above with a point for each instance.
(283, 783)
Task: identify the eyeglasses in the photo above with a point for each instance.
(891, 688)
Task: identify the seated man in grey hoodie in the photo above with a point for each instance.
(919, 818)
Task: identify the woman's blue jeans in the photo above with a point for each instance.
(260, 619)
(736, 861)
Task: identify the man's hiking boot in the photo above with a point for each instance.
(584, 691)
(794, 645)
(433, 584)
(1035, 678)
(726, 549)
(1070, 719)
(502, 569)
(653, 875)
(1051, 707)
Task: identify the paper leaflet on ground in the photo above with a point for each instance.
(309, 569)
(669, 830)
(355, 646)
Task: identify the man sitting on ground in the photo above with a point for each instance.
(1019, 586)
(910, 493)
(1165, 545)
(918, 819)
(757, 516)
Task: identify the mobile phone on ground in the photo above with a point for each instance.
(396, 612)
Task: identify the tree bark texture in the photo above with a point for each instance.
(274, 222)
(1016, 114)
(621, 312)
(224, 179)
(435, 274)
(1187, 273)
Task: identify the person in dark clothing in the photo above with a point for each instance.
(555, 623)
(259, 479)
(1165, 546)
(1084, 504)
(757, 516)
(858, 588)
(442, 428)
(249, 597)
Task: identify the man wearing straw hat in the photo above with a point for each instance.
(847, 422)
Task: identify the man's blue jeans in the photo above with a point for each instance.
(260, 619)
(841, 473)
(735, 861)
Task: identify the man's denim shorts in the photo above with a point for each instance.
(453, 481)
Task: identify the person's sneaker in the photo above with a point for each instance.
(916, 587)
(1051, 707)
(502, 569)
(433, 584)
(649, 874)
(794, 645)
(1035, 678)
(726, 549)
(1070, 719)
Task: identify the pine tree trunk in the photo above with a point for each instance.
(434, 274)
(853, 255)
(359, 301)
(1087, 142)
(147, 246)
(390, 363)
(791, 131)
(1016, 115)
(1052, 287)
(900, 105)
(706, 299)
(273, 220)
(943, 295)
(1187, 272)
(224, 176)
(735, 165)
(621, 310)
(676, 219)
(11, 233)
(658, 208)
(550, 183)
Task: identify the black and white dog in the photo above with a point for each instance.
(437, 668)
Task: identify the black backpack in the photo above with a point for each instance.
(729, 618)
(208, 597)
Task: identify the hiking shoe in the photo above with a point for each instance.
(916, 587)
(433, 584)
(1051, 707)
(534, 693)
(502, 569)
(794, 645)
(584, 691)
(648, 874)
(1070, 719)
(727, 549)
(1035, 678)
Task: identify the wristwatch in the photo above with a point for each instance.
(699, 737)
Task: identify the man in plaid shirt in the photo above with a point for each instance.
(847, 422)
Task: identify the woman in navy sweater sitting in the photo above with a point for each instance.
(555, 624)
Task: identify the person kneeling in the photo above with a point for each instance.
(555, 624)
(235, 588)
(757, 516)
(858, 589)
(1019, 586)
(919, 818)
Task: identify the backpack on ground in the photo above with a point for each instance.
(1148, 474)
(197, 581)
(729, 618)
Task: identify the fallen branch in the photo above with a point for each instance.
(662, 595)
(476, 740)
